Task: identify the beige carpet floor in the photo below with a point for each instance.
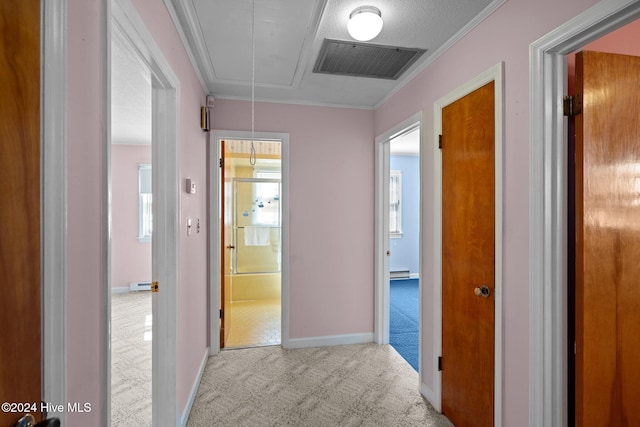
(353, 385)
(131, 359)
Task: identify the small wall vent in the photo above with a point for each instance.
(348, 58)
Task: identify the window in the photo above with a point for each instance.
(145, 211)
(395, 204)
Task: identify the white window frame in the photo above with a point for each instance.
(397, 232)
(142, 236)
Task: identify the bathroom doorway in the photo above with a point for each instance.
(251, 243)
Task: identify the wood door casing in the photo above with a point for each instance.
(468, 258)
(20, 333)
(607, 240)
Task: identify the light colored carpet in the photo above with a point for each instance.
(353, 385)
(131, 359)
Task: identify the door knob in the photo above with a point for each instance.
(29, 421)
(483, 291)
(230, 247)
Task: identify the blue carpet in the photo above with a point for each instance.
(403, 319)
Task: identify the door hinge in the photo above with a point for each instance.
(572, 105)
(221, 162)
(439, 363)
(221, 313)
(155, 286)
(440, 142)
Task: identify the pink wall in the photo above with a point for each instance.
(85, 252)
(85, 239)
(331, 211)
(504, 36)
(130, 258)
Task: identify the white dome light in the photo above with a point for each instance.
(365, 23)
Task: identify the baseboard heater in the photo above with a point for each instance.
(399, 274)
(139, 286)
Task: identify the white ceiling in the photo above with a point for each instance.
(406, 144)
(130, 95)
(288, 37)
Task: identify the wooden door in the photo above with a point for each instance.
(608, 240)
(226, 191)
(468, 261)
(20, 324)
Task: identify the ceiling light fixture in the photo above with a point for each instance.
(365, 23)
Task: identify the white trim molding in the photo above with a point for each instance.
(194, 389)
(214, 233)
(494, 74)
(548, 204)
(54, 201)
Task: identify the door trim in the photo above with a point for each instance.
(214, 232)
(547, 204)
(495, 74)
(54, 201)
(381, 260)
(165, 154)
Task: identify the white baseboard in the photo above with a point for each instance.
(194, 389)
(329, 340)
(120, 290)
(430, 396)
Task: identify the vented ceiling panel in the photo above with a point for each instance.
(365, 60)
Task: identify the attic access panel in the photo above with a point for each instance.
(347, 58)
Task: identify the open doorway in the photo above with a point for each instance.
(249, 247)
(251, 251)
(398, 218)
(404, 243)
(141, 96)
(581, 333)
(550, 346)
(131, 235)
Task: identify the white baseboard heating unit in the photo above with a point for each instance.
(399, 274)
(139, 286)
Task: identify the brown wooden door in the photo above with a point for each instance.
(468, 261)
(20, 329)
(608, 240)
(227, 249)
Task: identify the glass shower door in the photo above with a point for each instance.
(257, 227)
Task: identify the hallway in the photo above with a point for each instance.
(348, 385)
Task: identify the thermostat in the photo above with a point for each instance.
(191, 186)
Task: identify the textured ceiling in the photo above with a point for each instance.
(130, 95)
(288, 38)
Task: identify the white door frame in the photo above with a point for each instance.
(54, 201)
(214, 229)
(123, 16)
(381, 259)
(495, 74)
(548, 204)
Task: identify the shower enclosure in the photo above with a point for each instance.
(253, 283)
(256, 261)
